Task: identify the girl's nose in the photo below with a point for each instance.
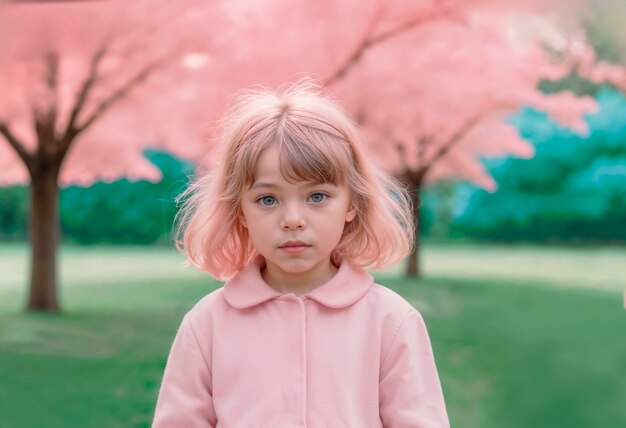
(293, 217)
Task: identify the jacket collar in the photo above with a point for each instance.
(247, 288)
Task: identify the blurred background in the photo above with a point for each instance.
(506, 120)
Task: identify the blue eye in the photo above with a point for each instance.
(267, 200)
(318, 197)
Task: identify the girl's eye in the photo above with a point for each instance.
(267, 200)
(318, 197)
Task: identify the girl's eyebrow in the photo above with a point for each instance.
(268, 185)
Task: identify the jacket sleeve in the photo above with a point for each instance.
(185, 399)
(410, 394)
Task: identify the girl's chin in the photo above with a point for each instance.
(290, 266)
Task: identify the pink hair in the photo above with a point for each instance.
(317, 142)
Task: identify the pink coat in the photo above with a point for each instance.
(350, 353)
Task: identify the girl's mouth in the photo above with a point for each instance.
(295, 249)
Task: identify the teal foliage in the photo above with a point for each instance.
(125, 212)
(14, 213)
(438, 209)
(571, 191)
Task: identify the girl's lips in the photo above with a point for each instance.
(295, 250)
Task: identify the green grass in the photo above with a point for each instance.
(529, 349)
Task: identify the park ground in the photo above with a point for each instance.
(523, 336)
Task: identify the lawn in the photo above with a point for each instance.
(523, 337)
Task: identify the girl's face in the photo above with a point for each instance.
(295, 226)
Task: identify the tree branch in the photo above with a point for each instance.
(422, 143)
(19, 148)
(45, 118)
(367, 42)
(81, 100)
(73, 129)
(402, 153)
(456, 137)
(118, 94)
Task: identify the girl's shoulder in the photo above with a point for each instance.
(396, 317)
(208, 305)
(389, 302)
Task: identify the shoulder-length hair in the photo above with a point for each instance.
(317, 142)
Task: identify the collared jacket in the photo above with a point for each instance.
(350, 353)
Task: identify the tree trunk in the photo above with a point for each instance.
(413, 268)
(44, 234)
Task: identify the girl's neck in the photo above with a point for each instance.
(300, 282)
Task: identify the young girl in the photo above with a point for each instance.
(299, 335)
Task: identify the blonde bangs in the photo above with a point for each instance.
(306, 153)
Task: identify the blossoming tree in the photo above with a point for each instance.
(436, 100)
(104, 74)
(87, 84)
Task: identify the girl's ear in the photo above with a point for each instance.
(242, 220)
(350, 215)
